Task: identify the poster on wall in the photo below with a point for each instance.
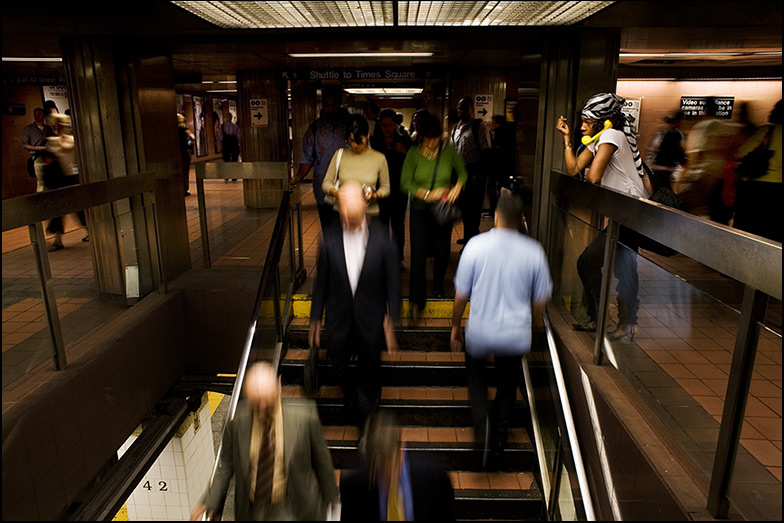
(217, 121)
(58, 94)
(180, 104)
(199, 120)
(233, 110)
(631, 108)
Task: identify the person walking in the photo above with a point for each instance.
(505, 275)
(358, 286)
(275, 450)
(427, 178)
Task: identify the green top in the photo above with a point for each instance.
(418, 172)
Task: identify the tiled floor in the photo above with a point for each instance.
(680, 356)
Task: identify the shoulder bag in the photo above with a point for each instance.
(445, 213)
(328, 198)
(665, 196)
(755, 164)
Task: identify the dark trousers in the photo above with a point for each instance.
(589, 266)
(427, 236)
(55, 225)
(326, 213)
(508, 370)
(361, 391)
(471, 199)
(392, 211)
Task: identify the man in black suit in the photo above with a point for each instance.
(358, 282)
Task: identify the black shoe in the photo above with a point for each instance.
(86, 238)
(439, 294)
(461, 241)
(585, 327)
(187, 193)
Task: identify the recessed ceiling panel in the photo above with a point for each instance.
(303, 14)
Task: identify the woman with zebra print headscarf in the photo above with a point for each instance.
(613, 160)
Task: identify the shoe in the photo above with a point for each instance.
(585, 327)
(461, 241)
(439, 294)
(187, 193)
(86, 238)
(623, 330)
(55, 247)
(487, 216)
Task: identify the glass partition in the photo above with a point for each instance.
(679, 354)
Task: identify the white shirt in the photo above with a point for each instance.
(354, 248)
(620, 174)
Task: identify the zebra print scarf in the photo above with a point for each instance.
(606, 105)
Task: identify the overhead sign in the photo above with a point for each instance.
(694, 106)
(631, 108)
(259, 116)
(483, 107)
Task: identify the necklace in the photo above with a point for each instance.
(429, 152)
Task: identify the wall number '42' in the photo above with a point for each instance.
(161, 486)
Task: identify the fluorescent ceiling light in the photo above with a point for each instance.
(219, 81)
(222, 91)
(697, 54)
(360, 55)
(30, 59)
(383, 90)
(390, 13)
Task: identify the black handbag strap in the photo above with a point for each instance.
(438, 160)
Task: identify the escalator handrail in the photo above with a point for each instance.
(571, 430)
(270, 265)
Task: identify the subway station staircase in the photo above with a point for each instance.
(424, 383)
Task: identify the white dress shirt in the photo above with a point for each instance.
(354, 248)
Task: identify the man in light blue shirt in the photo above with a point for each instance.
(505, 275)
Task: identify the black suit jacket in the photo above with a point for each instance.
(434, 497)
(378, 291)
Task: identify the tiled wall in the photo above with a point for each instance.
(661, 98)
(175, 482)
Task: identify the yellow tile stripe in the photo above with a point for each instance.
(434, 309)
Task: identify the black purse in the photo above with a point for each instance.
(755, 164)
(311, 370)
(444, 213)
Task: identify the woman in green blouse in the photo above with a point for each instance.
(417, 179)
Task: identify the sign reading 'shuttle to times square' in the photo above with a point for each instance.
(354, 74)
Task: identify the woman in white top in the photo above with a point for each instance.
(613, 161)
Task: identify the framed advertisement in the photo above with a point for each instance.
(199, 122)
(217, 121)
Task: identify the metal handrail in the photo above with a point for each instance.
(269, 273)
(33, 209)
(749, 259)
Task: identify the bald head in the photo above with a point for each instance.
(352, 204)
(262, 388)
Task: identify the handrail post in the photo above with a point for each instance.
(205, 240)
(752, 311)
(610, 248)
(38, 243)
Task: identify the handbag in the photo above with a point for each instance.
(445, 213)
(328, 198)
(665, 196)
(755, 164)
(311, 370)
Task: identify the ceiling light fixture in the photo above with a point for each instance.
(363, 55)
(219, 81)
(221, 90)
(383, 90)
(698, 54)
(30, 59)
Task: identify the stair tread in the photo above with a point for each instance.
(416, 435)
(446, 393)
(298, 356)
(486, 484)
